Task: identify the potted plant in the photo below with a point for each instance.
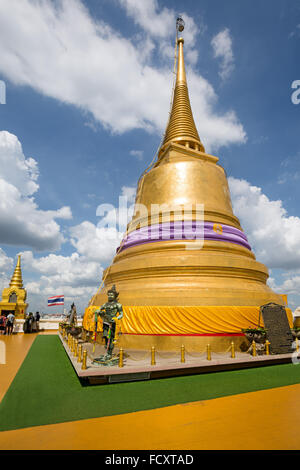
(295, 332)
(259, 335)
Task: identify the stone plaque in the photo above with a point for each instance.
(278, 328)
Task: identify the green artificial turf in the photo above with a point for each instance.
(46, 389)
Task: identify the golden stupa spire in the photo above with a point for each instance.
(16, 280)
(181, 128)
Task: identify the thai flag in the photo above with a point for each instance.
(56, 300)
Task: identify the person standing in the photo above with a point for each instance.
(37, 321)
(10, 323)
(27, 326)
(33, 324)
(2, 323)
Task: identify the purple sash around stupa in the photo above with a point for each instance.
(185, 230)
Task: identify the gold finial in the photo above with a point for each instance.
(181, 127)
(16, 280)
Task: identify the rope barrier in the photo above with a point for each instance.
(164, 355)
(139, 359)
(168, 356)
(195, 355)
(223, 352)
(90, 357)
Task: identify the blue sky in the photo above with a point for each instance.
(88, 87)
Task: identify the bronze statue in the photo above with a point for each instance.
(72, 317)
(110, 312)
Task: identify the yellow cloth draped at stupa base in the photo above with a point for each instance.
(177, 320)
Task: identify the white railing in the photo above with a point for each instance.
(45, 324)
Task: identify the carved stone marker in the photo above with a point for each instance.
(278, 328)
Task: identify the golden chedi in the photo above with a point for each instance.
(185, 269)
(14, 296)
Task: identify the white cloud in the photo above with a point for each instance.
(6, 269)
(215, 130)
(222, 47)
(70, 270)
(73, 276)
(289, 284)
(14, 167)
(290, 169)
(21, 221)
(100, 242)
(157, 23)
(129, 192)
(295, 32)
(95, 243)
(58, 49)
(137, 153)
(79, 275)
(273, 234)
(6, 263)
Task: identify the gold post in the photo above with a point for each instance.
(153, 356)
(72, 344)
(121, 364)
(267, 348)
(75, 348)
(208, 352)
(253, 348)
(84, 360)
(182, 353)
(69, 341)
(232, 350)
(79, 357)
